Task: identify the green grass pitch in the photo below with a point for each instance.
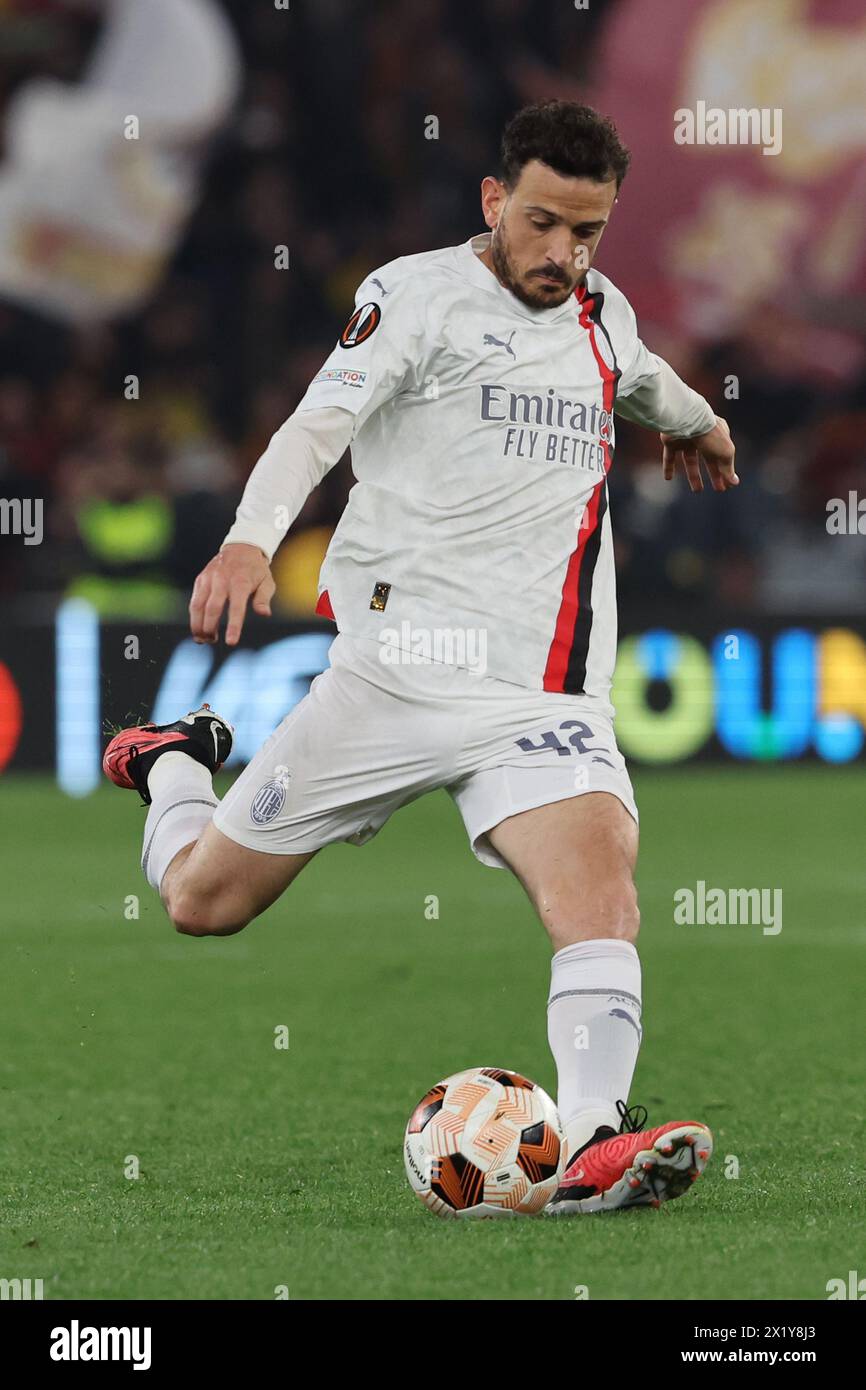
(262, 1167)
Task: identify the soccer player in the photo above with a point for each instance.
(471, 580)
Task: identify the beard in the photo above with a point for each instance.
(535, 297)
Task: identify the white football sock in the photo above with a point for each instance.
(593, 1027)
(182, 804)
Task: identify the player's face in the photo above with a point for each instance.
(545, 232)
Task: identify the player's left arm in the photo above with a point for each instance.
(650, 393)
(714, 448)
(691, 433)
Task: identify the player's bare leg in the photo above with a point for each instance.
(576, 860)
(209, 884)
(215, 887)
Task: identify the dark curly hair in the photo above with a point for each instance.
(571, 139)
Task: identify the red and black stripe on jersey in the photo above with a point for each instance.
(565, 669)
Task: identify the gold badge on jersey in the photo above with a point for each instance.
(380, 597)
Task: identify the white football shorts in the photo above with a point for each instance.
(372, 735)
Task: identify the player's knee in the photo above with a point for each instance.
(196, 914)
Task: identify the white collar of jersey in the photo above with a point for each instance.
(475, 270)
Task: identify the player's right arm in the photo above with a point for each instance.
(297, 458)
(233, 577)
(379, 353)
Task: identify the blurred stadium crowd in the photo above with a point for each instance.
(325, 153)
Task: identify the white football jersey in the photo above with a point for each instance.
(484, 435)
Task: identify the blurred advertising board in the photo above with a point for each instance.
(765, 692)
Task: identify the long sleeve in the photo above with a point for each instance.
(658, 399)
(296, 460)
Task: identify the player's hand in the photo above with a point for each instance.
(715, 449)
(234, 576)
